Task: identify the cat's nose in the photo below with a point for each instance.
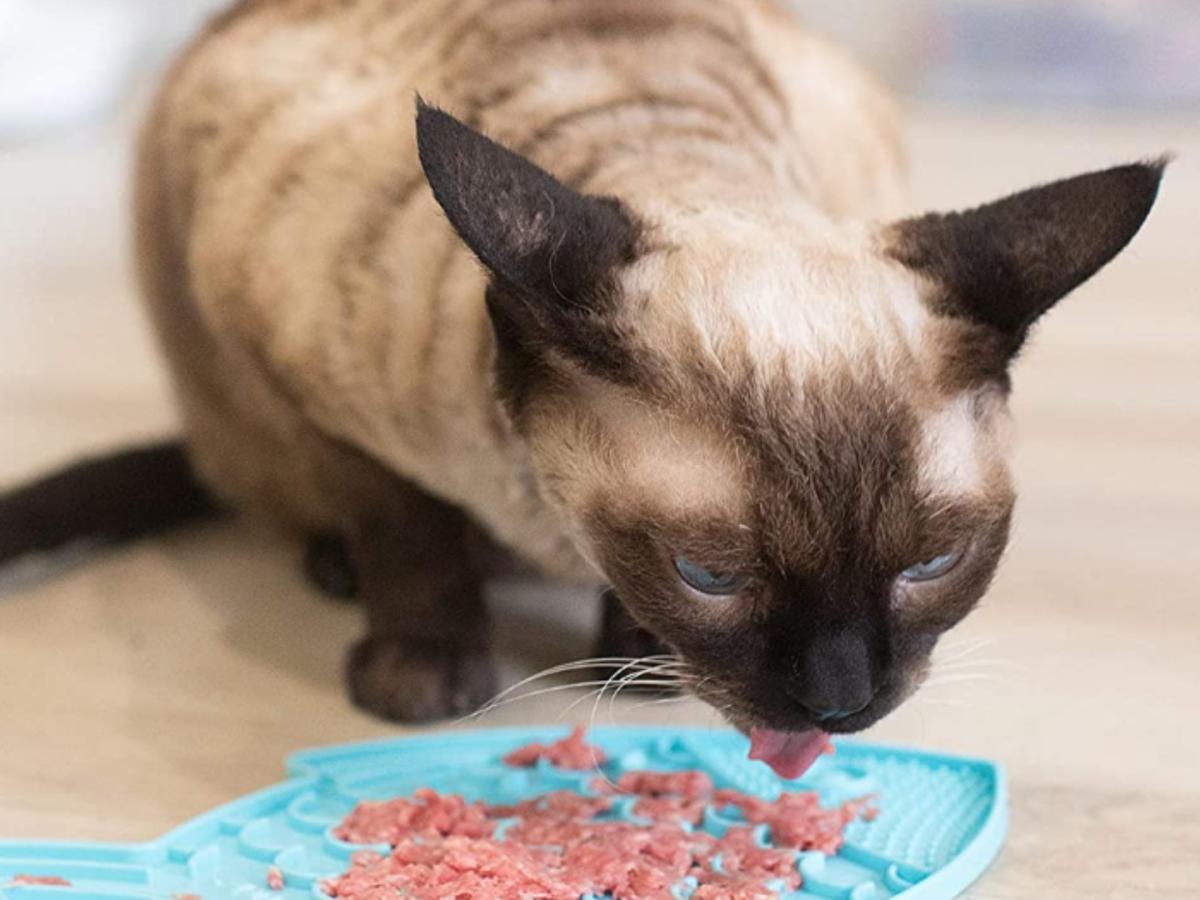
(832, 679)
(823, 714)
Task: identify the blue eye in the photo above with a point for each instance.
(932, 568)
(706, 581)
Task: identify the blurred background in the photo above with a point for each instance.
(67, 61)
(75, 75)
(1082, 657)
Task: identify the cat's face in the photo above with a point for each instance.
(782, 441)
(797, 489)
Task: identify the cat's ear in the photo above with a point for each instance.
(546, 244)
(1005, 263)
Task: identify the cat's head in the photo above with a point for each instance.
(783, 441)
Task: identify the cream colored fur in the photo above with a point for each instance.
(305, 283)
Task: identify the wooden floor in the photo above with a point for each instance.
(151, 684)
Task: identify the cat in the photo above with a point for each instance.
(620, 289)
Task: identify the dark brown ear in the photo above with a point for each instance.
(553, 253)
(548, 246)
(1005, 263)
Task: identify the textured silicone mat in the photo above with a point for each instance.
(941, 819)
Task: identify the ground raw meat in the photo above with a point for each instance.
(562, 845)
(572, 752)
(728, 889)
(797, 820)
(665, 796)
(52, 880)
(274, 879)
(426, 814)
(691, 784)
(455, 867)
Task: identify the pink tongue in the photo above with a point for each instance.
(789, 753)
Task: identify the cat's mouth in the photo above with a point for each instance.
(789, 753)
(790, 748)
(790, 743)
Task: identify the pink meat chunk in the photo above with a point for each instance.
(798, 820)
(560, 845)
(572, 752)
(426, 814)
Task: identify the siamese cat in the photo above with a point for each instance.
(618, 289)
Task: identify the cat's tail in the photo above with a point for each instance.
(102, 501)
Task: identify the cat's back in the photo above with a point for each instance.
(282, 154)
(287, 72)
(282, 146)
(292, 108)
(277, 92)
(286, 146)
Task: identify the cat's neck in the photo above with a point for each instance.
(683, 167)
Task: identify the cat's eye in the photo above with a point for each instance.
(934, 567)
(714, 583)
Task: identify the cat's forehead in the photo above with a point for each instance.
(780, 299)
(791, 380)
(782, 382)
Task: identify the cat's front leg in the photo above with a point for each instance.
(427, 654)
(408, 680)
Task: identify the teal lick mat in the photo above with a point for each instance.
(941, 821)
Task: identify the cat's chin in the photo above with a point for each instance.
(789, 753)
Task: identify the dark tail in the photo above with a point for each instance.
(106, 500)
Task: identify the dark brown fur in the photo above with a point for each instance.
(837, 507)
(837, 514)
(1004, 264)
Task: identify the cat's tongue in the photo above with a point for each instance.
(789, 753)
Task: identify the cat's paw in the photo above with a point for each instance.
(419, 683)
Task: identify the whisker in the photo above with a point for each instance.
(963, 650)
(592, 720)
(595, 706)
(661, 701)
(598, 662)
(692, 694)
(529, 695)
(968, 664)
(962, 678)
(645, 672)
(955, 641)
(563, 713)
(602, 685)
(612, 662)
(939, 701)
(642, 678)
